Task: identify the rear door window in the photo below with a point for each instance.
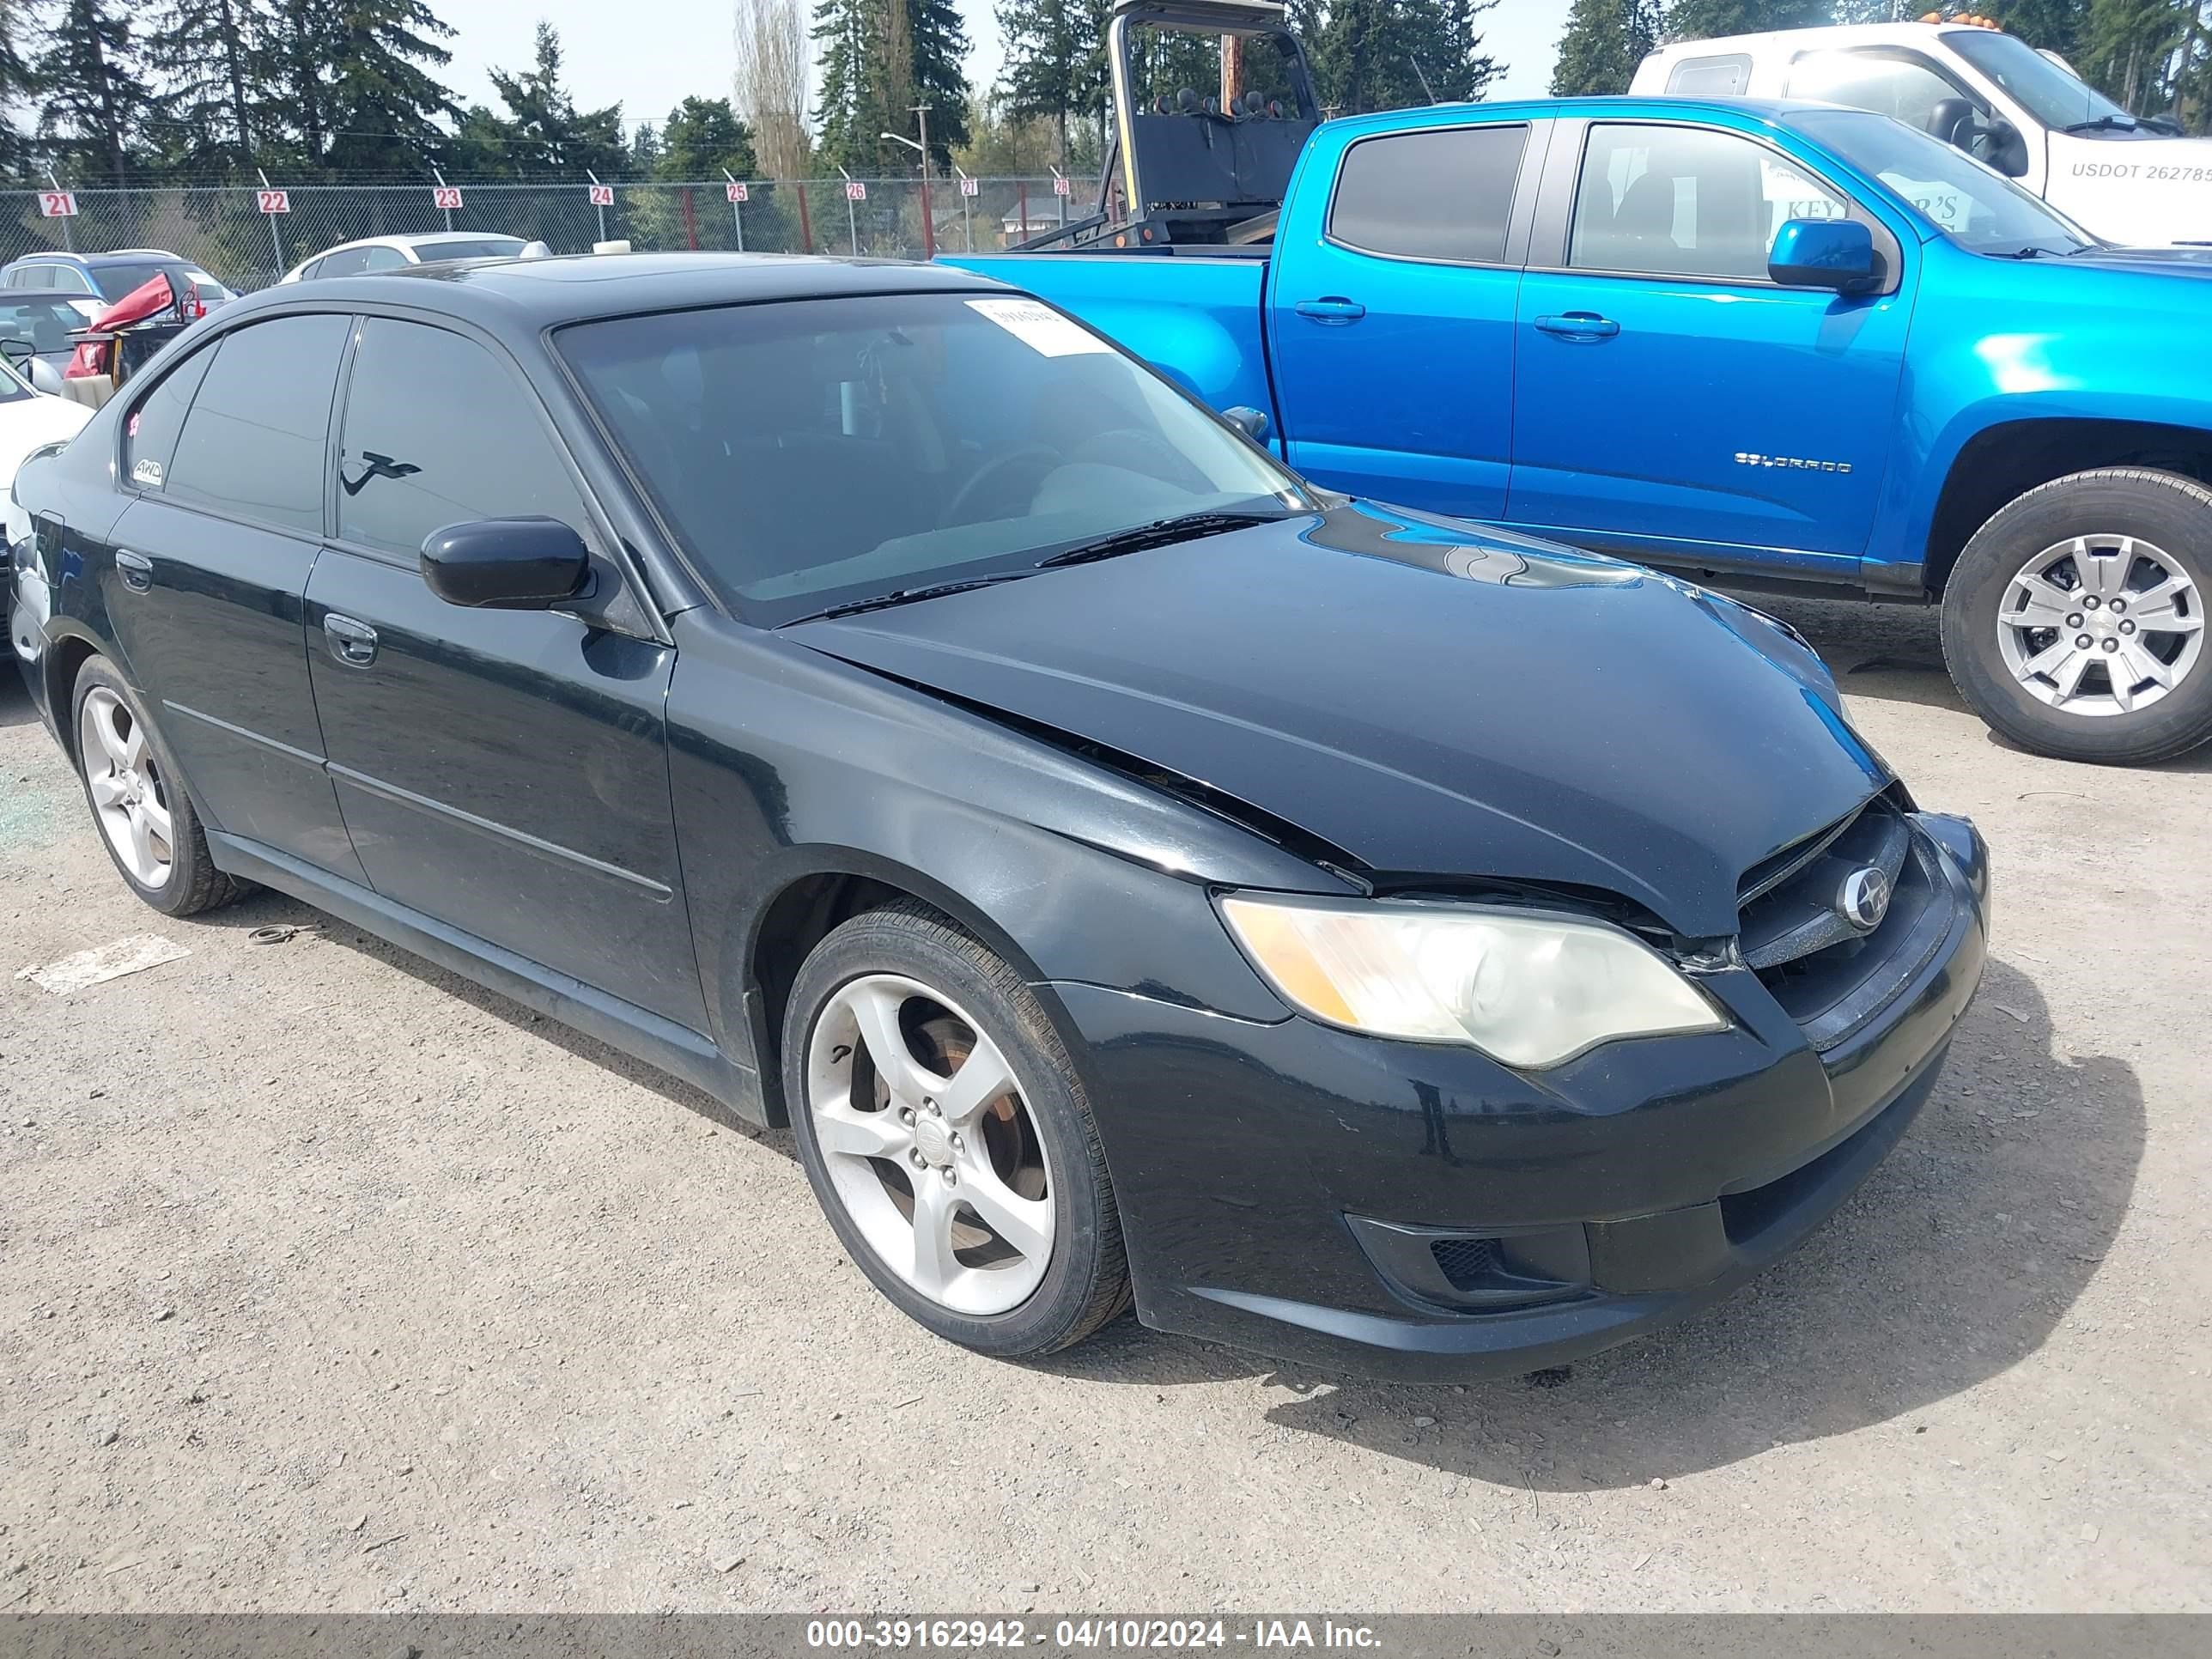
(1443, 194)
(255, 441)
(150, 430)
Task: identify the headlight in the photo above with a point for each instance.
(1530, 990)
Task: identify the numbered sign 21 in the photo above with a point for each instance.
(57, 203)
(274, 201)
(602, 195)
(446, 197)
(855, 191)
(735, 192)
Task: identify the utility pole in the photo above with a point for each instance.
(275, 237)
(852, 222)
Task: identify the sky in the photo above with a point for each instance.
(650, 59)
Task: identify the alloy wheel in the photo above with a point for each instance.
(929, 1145)
(129, 796)
(2100, 625)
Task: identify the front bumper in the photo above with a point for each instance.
(1298, 1190)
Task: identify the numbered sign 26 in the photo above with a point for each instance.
(602, 195)
(274, 201)
(971, 187)
(57, 203)
(735, 192)
(448, 197)
(855, 191)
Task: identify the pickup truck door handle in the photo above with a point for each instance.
(137, 570)
(1331, 310)
(353, 643)
(1579, 325)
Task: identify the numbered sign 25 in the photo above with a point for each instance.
(57, 203)
(735, 192)
(448, 197)
(855, 191)
(603, 195)
(274, 201)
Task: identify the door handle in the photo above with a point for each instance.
(1579, 325)
(353, 643)
(1331, 310)
(137, 570)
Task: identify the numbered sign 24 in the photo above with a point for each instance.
(855, 191)
(274, 201)
(57, 203)
(603, 195)
(735, 192)
(448, 197)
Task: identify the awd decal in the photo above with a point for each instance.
(1752, 457)
(147, 472)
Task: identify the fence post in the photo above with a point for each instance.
(1025, 210)
(805, 225)
(690, 222)
(275, 238)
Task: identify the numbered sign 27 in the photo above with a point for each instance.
(274, 201)
(57, 203)
(855, 191)
(446, 197)
(736, 191)
(603, 195)
(971, 187)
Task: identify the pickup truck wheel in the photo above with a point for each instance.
(947, 1136)
(2074, 622)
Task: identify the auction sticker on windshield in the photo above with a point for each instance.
(1041, 328)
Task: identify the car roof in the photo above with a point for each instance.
(1767, 41)
(536, 294)
(1640, 105)
(418, 238)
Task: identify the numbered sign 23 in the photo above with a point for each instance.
(274, 201)
(57, 203)
(855, 191)
(448, 197)
(602, 195)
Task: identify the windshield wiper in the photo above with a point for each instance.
(2106, 124)
(1160, 532)
(909, 596)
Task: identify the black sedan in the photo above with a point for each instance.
(1133, 873)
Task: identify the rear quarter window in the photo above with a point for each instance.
(1445, 193)
(1721, 76)
(150, 430)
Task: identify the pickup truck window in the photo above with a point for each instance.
(1683, 201)
(1898, 84)
(811, 454)
(1972, 205)
(1443, 193)
(2047, 91)
(1711, 77)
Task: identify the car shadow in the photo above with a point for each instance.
(16, 708)
(1951, 1265)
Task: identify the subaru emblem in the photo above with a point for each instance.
(1864, 898)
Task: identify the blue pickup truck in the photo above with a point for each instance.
(1751, 342)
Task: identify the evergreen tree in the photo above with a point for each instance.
(542, 131)
(93, 103)
(387, 103)
(939, 45)
(878, 59)
(2128, 48)
(1704, 20)
(1395, 54)
(1604, 42)
(1055, 62)
(15, 85)
(846, 104)
(701, 137)
(201, 50)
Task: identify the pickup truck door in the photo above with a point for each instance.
(1671, 398)
(1391, 314)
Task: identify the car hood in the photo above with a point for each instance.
(1435, 699)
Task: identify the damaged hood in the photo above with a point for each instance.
(1433, 699)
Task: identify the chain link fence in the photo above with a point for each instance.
(223, 229)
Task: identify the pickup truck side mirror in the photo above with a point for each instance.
(506, 564)
(1837, 254)
(1248, 421)
(2007, 150)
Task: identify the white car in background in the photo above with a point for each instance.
(30, 421)
(390, 253)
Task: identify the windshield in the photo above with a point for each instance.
(2049, 93)
(481, 247)
(819, 453)
(1974, 205)
(114, 280)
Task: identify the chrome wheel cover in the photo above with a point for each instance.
(129, 796)
(930, 1148)
(2100, 625)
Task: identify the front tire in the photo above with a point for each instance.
(948, 1139)
(2074, 621)
(139, 801)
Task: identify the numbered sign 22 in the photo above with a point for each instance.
(735, 192)
(1058, 185)
(57, 203)
(855, 191)
(971, 187)
(274, 201)
(603, 195)
(448, 197)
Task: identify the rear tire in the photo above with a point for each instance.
(140, 807)
(948, 1137)
(2074, 621)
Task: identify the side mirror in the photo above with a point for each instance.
(1831, 253)
(1248, 421)
(2007, 150)
(19, 353)
(45, 377)
(506, 564)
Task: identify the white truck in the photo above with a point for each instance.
(2133, 180)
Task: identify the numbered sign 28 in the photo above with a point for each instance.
(735, 192)
(603, 195)
(274, 201)
(57, 203)
(448, 197)
(971, 187)
(1058, 185)
(855, 191)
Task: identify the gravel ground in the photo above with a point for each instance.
(328, 1282)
